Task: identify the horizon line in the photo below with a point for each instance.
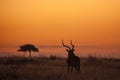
(60, 46)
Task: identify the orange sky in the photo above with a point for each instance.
(47, 22)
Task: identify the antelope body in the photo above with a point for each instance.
(73, 61)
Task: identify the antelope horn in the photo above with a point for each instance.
(65, 45)
(72, 44)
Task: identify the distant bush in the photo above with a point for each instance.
(53, 57)
(44, 57)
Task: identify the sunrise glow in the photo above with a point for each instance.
(48, 22)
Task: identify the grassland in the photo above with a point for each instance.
(21, 68)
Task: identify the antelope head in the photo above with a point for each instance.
(70, 50)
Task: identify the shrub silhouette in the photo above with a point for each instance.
(53, 57)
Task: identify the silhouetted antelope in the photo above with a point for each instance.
(72, 60)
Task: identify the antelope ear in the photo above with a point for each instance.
(67, 50)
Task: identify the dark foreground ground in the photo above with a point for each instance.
(17, 68)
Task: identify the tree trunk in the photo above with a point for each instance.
(30, 55)
(24, 54)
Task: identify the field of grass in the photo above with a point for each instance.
(20, 68)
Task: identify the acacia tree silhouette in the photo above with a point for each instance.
(29, 48)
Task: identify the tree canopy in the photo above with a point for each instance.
(29, 48)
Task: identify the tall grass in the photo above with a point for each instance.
(20, 68)
(94, 60)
